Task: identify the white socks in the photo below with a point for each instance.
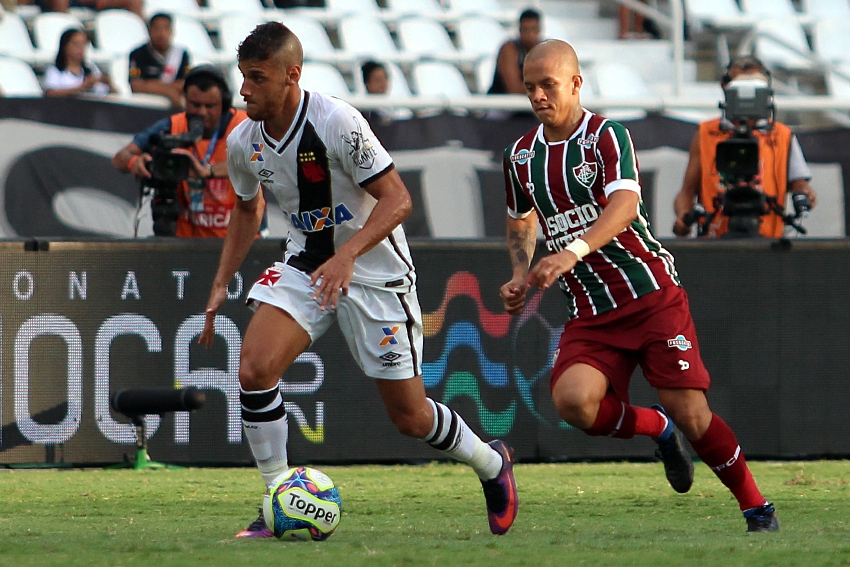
(267, 430)
(451, 435)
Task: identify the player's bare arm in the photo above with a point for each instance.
(621, 210)
(522, 240)
(690, 189)
(393, 206)
(508, 62)
(242, 230)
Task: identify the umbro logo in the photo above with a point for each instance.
(390, 359)
(265, 173)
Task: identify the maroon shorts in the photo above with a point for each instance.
(655, 331)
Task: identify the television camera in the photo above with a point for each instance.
(748, 107)
(167, 170)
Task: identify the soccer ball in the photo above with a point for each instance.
(303, 504)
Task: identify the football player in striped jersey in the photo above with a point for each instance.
(577, 175)
(346, 260)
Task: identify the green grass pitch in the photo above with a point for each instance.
(570, 514)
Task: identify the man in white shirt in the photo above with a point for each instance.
(346, 259)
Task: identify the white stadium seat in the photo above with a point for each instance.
(192, 34)
(185, 7)
(832, 39)
(367, 36)
(716, 13)
(235, 6)
(426, 8)
(234, 29)
(484, 72)
(768, 8)
(15, 41)
(480, 36)
(17, 79)
(827, 8)
(118, 32)
(620, 81)
(314, 38)
(323, 78)
(398, 82)
(438, 78)
(486, 7)
(426, 38)
(342, 8)
(772, 53)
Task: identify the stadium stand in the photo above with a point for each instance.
(314, 38)
(425, 8)
(185, 7)
(118, 32)
(439, 79)
(781, 42)
(826, 8)
(47, 28)
(18, 79)
(363, 36)
(426, 38)
(192, 34)
(831, 39)
(480, 36)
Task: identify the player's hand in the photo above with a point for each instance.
(217, 297)
(200, 170)
(547, 270)
(331, 278)
(513, 295)
(140, 166)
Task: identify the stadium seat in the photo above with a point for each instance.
(343, 8)
(118, 32)
(620, 81)
(427, 38)
(366, 36)
(48, 27)
(323, 78)
(314, 38)
(425, 8)
(485, 7)
(480, 36)
(235, 6)
(17, 79)
(837, 85)
(831, 38)
(716, 13)
(185, 7)
(234, 28)
(484, 72)
(768, 8)
(772, 53)
(571, 29)
(827, 8)
(15, 41)
(192, 34)
(439, 79)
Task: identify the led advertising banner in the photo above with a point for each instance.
(83, 320)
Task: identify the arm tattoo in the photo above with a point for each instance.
(521, 243)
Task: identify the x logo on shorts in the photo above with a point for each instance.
(390, 332)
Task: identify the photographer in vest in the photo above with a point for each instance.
(184, 159)
(781, 167)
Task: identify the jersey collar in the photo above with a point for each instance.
(280, 145)
(580, 129)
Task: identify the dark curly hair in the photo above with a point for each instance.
(268, 39)
(61, 61)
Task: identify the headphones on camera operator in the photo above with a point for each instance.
(169, 169)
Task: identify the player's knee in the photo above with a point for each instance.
(253, 377)
(578, 411)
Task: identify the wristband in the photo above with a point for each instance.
(132, 161)
(578, 247)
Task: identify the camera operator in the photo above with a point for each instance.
(776, 165)
(183, 160)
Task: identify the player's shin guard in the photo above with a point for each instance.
(719, 449)
(616, 418)
(265, 425)
(451, 435)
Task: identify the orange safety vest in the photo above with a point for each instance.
(774, 147)
(206, 213)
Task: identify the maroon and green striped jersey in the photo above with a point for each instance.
(568, 184)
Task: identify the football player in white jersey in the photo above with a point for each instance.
(347, 259)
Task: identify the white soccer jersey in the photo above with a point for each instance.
(317, 173)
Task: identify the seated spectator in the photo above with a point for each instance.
(71, 74)
(508, 76)
(377, 82)
(158, 67)
(134, 6)
(375, 78)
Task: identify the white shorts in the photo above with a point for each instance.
(383, 329)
